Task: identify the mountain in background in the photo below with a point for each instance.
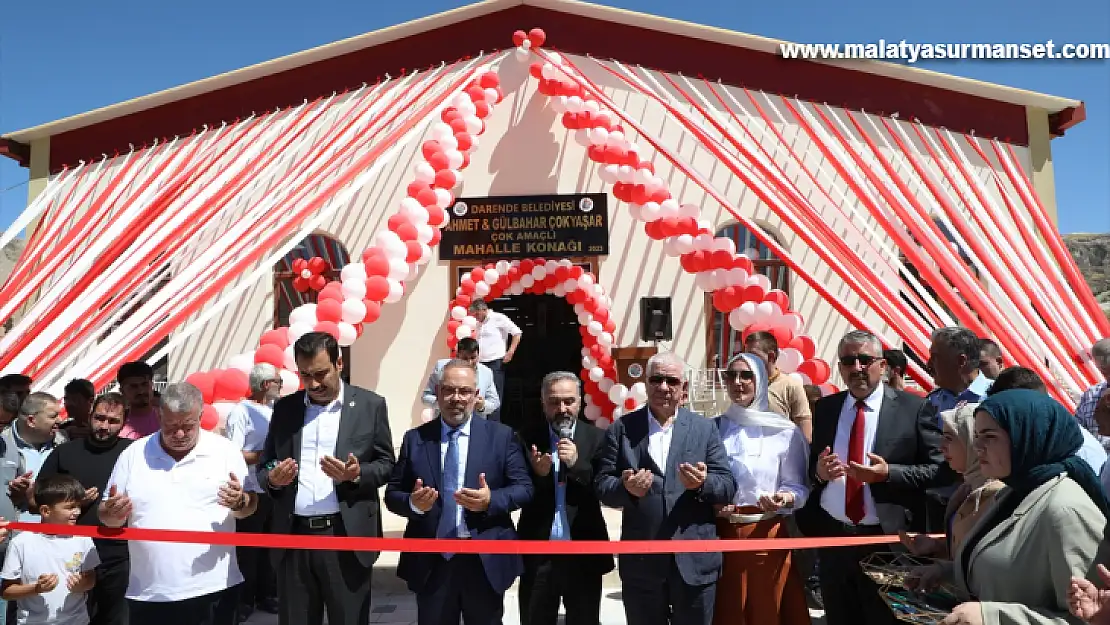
(1092, 254)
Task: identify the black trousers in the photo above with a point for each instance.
(107, 599)
(850, 597)
(547, 581)
(312, 581)
(666, 600)
(459, 587)
(218, 608)
(259, 580)
(497, 367)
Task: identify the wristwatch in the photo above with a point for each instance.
(358, 478)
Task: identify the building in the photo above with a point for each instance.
(525, 151)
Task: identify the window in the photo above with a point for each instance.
(723, 339)
(286, 298)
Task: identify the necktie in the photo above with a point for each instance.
(448, 517)
(853, 489)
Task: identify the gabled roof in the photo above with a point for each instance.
(575, 27)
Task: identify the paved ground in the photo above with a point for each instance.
(393, 604)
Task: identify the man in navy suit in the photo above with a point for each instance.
(459, 477)
(666, 469)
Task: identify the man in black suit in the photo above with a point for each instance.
(459, 478)
(666, 468)
(875, 451)
(328, 451)
(565, 507)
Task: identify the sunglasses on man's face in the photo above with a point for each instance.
(671, 380)
(746, 376)
(863, 359)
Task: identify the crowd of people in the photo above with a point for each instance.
(988, 459)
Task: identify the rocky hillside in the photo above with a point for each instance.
(1092, 254)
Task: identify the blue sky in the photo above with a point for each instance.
(67, 57)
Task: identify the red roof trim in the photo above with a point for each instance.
(19, 152)
(570, 33)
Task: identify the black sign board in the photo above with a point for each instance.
(528, 226)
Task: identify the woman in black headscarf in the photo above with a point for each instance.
(1047, 526)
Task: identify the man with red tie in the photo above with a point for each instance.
(875, 450)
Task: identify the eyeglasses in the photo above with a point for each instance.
(863, 359)
(463, 391)
(669, 379)
(746, 375)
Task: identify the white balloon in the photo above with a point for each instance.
(467, 109)
(594, 328)
(605, 339)
(669, 207)
(625, 173)
(448, 143)
(585, 281)
(516, 289)
(441, 130)
(684, 243)
(668, 247)
(747, 314)
(764, 311)
(604, 385)
(353, 272)
(424, 234)
(458, 313)
(617, 393)
(637, 212)
(559, 104)
(558, 290)
(588, 363)
(651, 212)
(703, 242)
(574, 104)
(736, 319)
(793, 323)
(502, 267)
(789, 359)
(582, 137)
(616, 139)
(290, 382)
(491, 276)
(347, 334)
(303, 314)
(473, 125)
(297, 330)
(752, 253)
(639, 392)
(470, 321)
(551, 266)
(642, 176)
(592, 412)
(570, 285)
(539, 272)
(354, 310)
(596, 374)
(704, 280)
(398, 268)
(389, 242)
(725, 244)
(737, 277)
(454, 158)
(762, 281)
(491, 95)
(463, 332)
(608, 173)
(584, 318)
(598, 136)
(527, 281)
(353, 291)
(592, 106)
(423, 172)
(396, 291)
(481, 289)
(242, 362)
(689, 210)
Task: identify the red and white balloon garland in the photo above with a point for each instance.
(606, 399)
(737, 290)
(344, 306)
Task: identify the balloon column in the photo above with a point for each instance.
(344, 306)
(606, 399)
(309, 274)
(747, 297)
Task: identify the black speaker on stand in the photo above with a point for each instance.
(655, 319)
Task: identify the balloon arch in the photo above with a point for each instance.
(398, 254)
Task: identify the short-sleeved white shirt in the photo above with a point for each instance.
(170, 495)
(30, 555)
(247, 426)
(492, 334)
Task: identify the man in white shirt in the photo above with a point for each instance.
(180, 478)
(488, 399)
(247, 426)
(494, 329)
(867, 480)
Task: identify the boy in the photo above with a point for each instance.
(48, 576)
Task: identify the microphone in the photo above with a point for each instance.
(565, 431)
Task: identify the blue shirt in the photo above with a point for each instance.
(463, 445)
(486, 387)
(560, 526)
(943, 399)
(32, 457)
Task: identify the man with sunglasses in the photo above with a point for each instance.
(665, 468)
(875, 452)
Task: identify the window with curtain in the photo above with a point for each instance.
(723, 339)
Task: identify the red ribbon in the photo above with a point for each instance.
(437, 545)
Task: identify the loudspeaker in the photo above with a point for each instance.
(655, 319)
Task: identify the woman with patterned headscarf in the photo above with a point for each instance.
(768, 457)
(1046, 527)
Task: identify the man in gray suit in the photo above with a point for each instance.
(666, 468)
(327, 453)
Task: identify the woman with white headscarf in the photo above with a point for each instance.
(768, 456)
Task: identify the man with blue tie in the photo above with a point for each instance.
(565, 507)
(459, 478)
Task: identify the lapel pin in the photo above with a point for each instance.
(352, 404)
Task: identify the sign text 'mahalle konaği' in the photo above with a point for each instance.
(550, 226)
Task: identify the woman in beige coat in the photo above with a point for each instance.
(1018, 561)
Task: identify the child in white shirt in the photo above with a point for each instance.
(48, 576)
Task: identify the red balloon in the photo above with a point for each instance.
(481, 110)
(458, 125)
(317, 282)
(415, 187)
(609, 326)
(426, 196)
(430, 149)
(476, 94)
(450, 114)
(465, 141)
(395, 221)
(436, 236)
(230, 385)
(270, 354)
(414, 251)
(782, 334)
(329, 327)
(537, 37)
(376, 262)
(446, 179)
(436, 217)
(753, 293)
(279, 337)
(209, 417)
(301, 285)
(317, 265)
(439, 161)
(779, 297)
(329, 310)
(377, 288)
(805, 345)
(407, 232)
(373, 309)
(490, 80)
(742, 262)
(205, 381)
(536, 70)
(333, 290)
(299, 265)
(477, 274)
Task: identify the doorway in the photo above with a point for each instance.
(551, 342)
